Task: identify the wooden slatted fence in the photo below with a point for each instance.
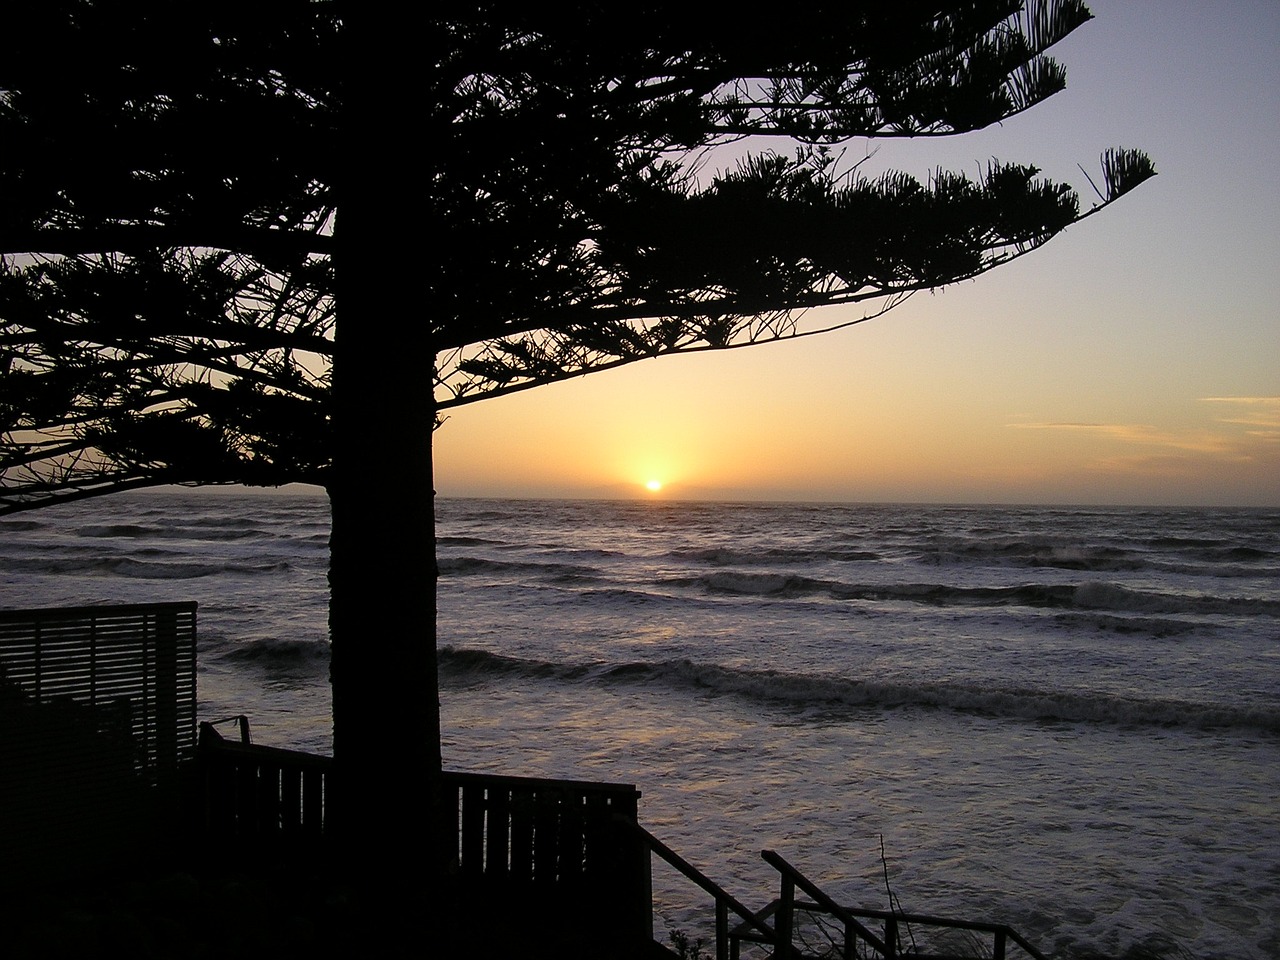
(97, 715)
(135, 663)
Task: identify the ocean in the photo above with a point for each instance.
(1062, 718)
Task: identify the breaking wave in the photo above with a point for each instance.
(1091, 595)
(805, 692)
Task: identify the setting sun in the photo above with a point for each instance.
(653, 486)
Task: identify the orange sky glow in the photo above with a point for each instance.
(1134, 359)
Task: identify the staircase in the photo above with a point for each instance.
(786, 928)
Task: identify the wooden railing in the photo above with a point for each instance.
(785, 908)
(570, 849)
(256, 793)
(555, 854)
(536, 830)
(539, 848)
(518, 828)
(725, 903)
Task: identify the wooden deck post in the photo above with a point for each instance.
(785, 918)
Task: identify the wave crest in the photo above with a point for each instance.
(827, 692)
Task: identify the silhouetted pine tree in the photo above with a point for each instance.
(235, 235)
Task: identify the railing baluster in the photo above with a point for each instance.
(472, 830)
(267, 799)
(246, 789)
(497, 832)
(569, 842)
(545, 838)
(290, 800)
(522, 833)
(313, 786)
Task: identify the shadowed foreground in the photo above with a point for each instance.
(163, 910)
(122, 834)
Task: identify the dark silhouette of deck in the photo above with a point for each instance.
(103, 778)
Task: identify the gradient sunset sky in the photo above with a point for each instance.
(1133, 360)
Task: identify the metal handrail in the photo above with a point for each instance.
(214, 742)
(790, 873)
(887, 948)
(724, 900)
(240, 720)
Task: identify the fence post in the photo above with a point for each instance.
(786, 916)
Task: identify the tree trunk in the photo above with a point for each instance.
(382, 568)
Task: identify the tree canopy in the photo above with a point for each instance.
(270, 242)
(173, 181)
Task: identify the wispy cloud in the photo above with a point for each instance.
(1198, 441)
(1259, 415)
(1272, 402)
(1233, 440)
